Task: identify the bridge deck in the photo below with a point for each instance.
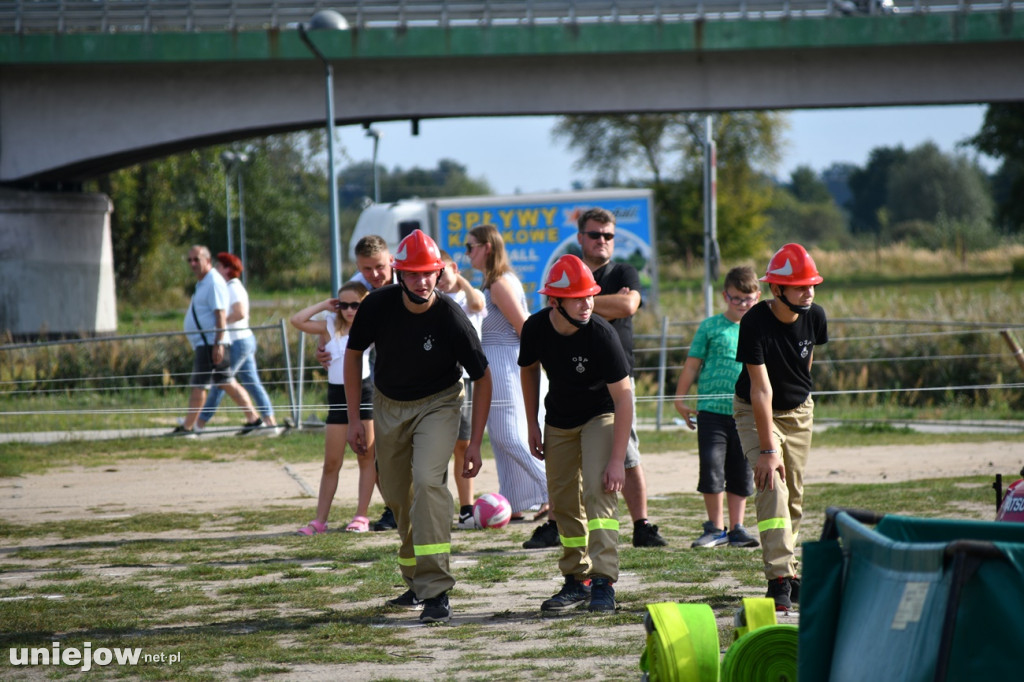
(151, 16)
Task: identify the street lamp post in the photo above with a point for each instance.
(375, 134)
(234, 161)
(329, 20)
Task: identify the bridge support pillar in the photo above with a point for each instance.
(56, 264)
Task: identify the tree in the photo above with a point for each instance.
(929, 185)
(162, 206)
(946, 195)
(1002, 137)
(635, 150)
(804, 211)
(448, 179)
(870, 189)
(807, 187)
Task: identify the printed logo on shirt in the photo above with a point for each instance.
(580, 363)
(428, 342)
(805, 348)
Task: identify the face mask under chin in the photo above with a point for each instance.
(579, 324)
(798, 309)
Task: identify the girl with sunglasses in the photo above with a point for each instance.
(332, 328)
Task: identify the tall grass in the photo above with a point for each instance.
(909, 329)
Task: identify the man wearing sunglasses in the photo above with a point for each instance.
(618, 301)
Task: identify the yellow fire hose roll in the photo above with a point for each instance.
(682, 643)
(754, 613)
(767, 654)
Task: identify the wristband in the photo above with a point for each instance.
(769, 452)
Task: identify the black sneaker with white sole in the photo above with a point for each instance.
(249, 427)
(407, 600)
(739, 537)
(181, 432)
(544, 535)
(436, 609)
(646, 535)
(574, 593)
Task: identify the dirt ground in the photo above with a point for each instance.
(138, 486)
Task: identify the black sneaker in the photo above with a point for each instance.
(602, 596)
(544, 535)
(780, 589)
(739, 537)
(407, 600)
(386, 522)
(646, 535)
(436, 609)
(573, 594)
(181, 432)
(249, 427)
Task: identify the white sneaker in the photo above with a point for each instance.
(271, 431)
(467, 522)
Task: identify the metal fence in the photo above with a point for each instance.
(138, 384)
(116, 16)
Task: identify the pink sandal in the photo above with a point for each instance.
(314, 527)
(360, 524)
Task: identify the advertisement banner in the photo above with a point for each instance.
(539, 230)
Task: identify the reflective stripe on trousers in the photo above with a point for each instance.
(415, 440)
(779, 511)
(587, 516)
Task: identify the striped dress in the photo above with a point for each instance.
(521, 476)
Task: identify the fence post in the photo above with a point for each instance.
(288, 370)
(302, 379)
(663, 360)
(1015, 348)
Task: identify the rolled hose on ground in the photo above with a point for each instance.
(682, 643)
(767, 654)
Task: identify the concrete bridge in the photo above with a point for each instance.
(87, 87)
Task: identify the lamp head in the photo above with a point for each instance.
(327, 20)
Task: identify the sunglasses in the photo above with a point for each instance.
(607, 236)
(343, 305)
(193, 260)
(470, 247)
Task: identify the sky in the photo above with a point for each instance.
(517, 154)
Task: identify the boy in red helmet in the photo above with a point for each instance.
(589, 412)
(774, 410)
(423, 342)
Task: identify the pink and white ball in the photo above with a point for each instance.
(492, 510)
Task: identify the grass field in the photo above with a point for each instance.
(237, 595)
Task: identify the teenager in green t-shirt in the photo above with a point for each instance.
(724, 471)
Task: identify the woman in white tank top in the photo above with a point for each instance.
(521, 476)
(332, 329)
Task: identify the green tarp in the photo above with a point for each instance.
(913, 599)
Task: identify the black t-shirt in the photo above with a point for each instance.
(784, 349)
(579, 367)
(417, 354)
(611, 278)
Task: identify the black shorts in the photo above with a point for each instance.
(338, 406)
(205, 374)
(722, 464)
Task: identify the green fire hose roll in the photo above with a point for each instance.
(767, 654)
